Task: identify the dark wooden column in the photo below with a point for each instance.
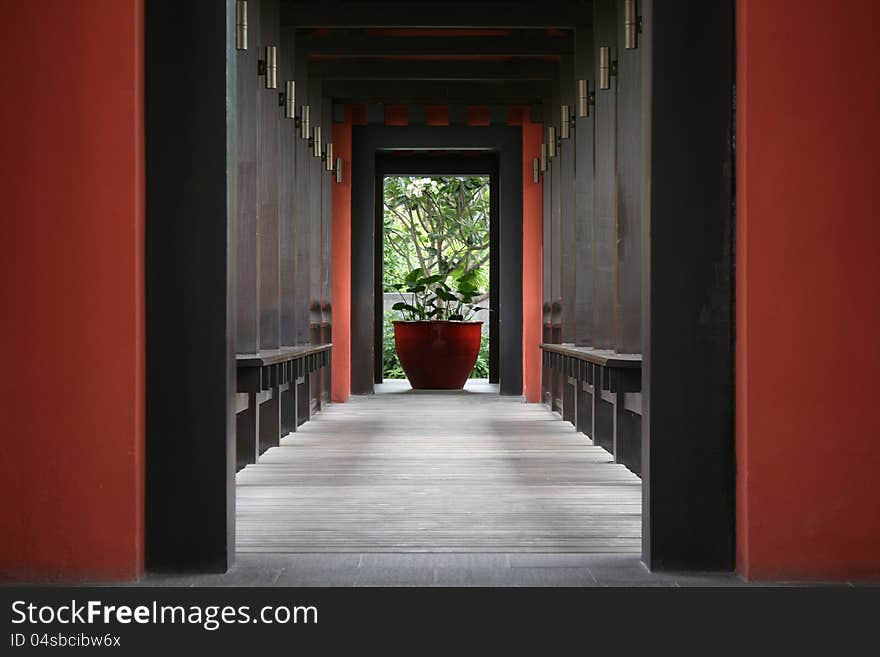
(288, 137)
(247, 334)
(302, 209)
(287, 142)
(326, 247)
(567, 204)
(632, 158)
(605, 217)
(315, 232)
(190, 280)
(547, 257)
(584, 172)
(268, 174)
(687, 442)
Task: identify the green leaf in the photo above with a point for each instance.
(405, 306)
(446, 296)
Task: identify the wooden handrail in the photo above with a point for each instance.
(282, 355)
(604, 357)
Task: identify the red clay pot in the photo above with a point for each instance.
(437, 355)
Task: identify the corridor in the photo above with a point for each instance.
(459, 471)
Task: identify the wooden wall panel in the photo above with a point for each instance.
(268, 199)
(302, 222)
(247, 316)
(313, 166)
(567, 204)
(288, 135)
(630, 157)
(555, 178)
(547, 260)
(584, 171)
(605, 217)
(326, 236)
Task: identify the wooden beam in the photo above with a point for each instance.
(430, 92)
(448, 70)
(559, 14)
(522, 44)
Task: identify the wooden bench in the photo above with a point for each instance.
(274, 396)
(601, 397)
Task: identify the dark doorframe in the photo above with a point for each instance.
(190, 285)
(688, 293)
(688, 463)
(370, 144)
(471, 164)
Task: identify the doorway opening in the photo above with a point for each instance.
(437, 228)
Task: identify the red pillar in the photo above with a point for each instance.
(807, 427)
(72, 291)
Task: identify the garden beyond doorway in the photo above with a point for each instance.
(437, 229)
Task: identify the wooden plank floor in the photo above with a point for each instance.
(465, 471)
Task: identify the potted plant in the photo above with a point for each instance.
(436, 341)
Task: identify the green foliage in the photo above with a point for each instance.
(436, 255)
(438, 225)
(433, 298)
(391, 368)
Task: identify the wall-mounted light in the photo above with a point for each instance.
(536, 170)
(305, 122)
(586, 99)
(316, 141)
(338, 170)
(269, 67)
(543, 158)
(565, 121)
(328, 157)
(241, 25)
(290, 99)
(632, 25)
(551, 142)
(607, 68)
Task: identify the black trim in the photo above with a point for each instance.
(190, 282)
(370, 140)
(688, 386)
(393, 164)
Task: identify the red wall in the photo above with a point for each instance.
(341, 263)
(71, 290)
(808, 290)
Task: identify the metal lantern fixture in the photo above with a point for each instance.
(586, 98)
(290, 99)
(338, 170)
(607, 68)
(271, 67)
(543, 158)
(632, 25)
(305, 122)
(241, 25)
(328, 157)
(551, 142)
(316, 141)
(536, 170)
(565, 121)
